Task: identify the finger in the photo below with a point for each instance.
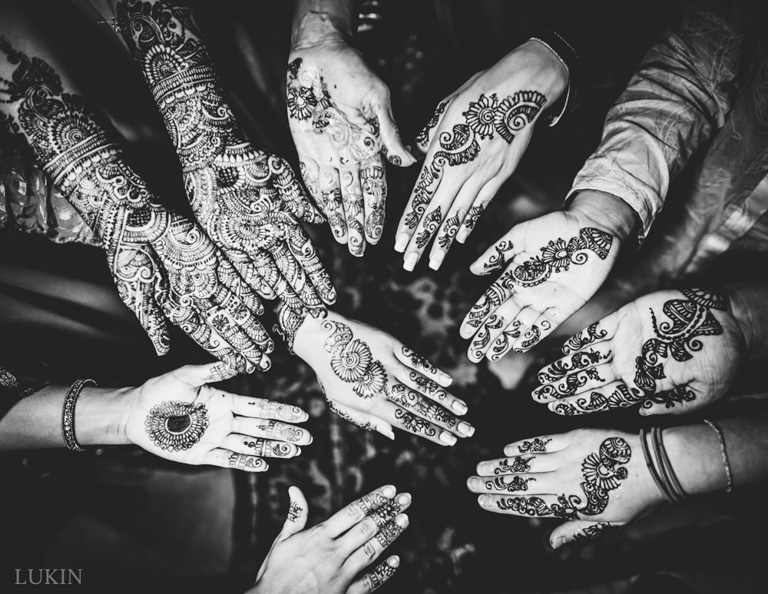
(501, 290)
(393, 148)
(425, 231)
(540, 506)
(266, 409)
(354, 211)
(262, 448)
(532, 334)
(375, 198)
(485, 195)
(373, 580)
(605, 329)
(330, 187)
(429, 410)
(228, 459)
(294, 274)
(678, 401)
(421, 196)
(310, 173)
(430, 388)
(139, 297)
(521, 464)
(247, 271)
(543, 444)
(576, 383)
(264, 262)
(361, 419)
(227, 327)
(597, 353)
(235, 285)
(404, 419)
(264, 429)
(195, 376)
(305, 253)
(356, 511)
(495, 257)
(245, 321)
(378, 519)
(298, 512)
(498, 333)
(580, 530)
(510, 483)
(422, 365)
(371, 550)
(454, 218)
(291, 191)
(613, 395)
(425, 137)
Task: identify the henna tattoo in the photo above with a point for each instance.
(384, 512)
(414, 424)
(519, 464)
(517, 483)
(422, 138)
(496, 261)
(568, 385)
(410, 399)
(594, 530)
(483, 337)
(689, 319)
(388, 533)
(504, 341)
(428, 386)
(279, 410)
(281, 431)
(584, 338)
(294, 512)
(431, 224)
(380, 574)
(417, 360)
(536, 506)
(273, 449)
(621, 397)
(450, 229)
(353, 362)
(472, 217)
(535, 445)
(368, 503)
(375, 188)
(578, 360)
(245, 462)
(534, 334)
(360, 421)
(176, 426)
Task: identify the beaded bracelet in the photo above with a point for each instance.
(726, 463)
(68, 414)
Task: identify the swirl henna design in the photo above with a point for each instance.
(579, 360)
(568, 386)
(517, 483)
(582, 339)
(281, 431)
(353, 362)
(414, 424)
(689, 319)
(431, 224)
(246, 462)
(422, 363)
(249, 202)
(496, 261)
(411, 400)
(294, 512)
(270, 449)
(594, 530)
(160, 262)
(621, 397)
(518, 465)
(176, 426)
(535, 445)
(428, 386)
(450, 228)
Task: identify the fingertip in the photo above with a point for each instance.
(393, 561)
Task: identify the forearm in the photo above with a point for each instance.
(35, 421)
(695, 454)
(318, 21)
(749, 303)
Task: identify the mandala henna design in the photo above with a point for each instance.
(294, 512)
(689, 319)
(517, 483)
(518, 465)
(353, 362)
(176, 426)
(535, 445)
(247, 201)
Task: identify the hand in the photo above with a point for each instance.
(327, 558)
(178, 417)
(557, 262)
(594, 478)
(671, 351)
(473, 143)
(375, 382)
(341, 120)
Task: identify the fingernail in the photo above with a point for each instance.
(474, 483)
(466, 429)
(436, 259)
(445, 378)
(402, 241)
(448, 438)
(459, 407)
(557, 543)
(393, 561)
(461, 236)
(265, 364)
(386, 432)
(404, 498)
(402, 520)
(410, 261)
(389, 491)
(484, 501)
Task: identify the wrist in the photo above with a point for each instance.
(553, 73)
(101, 416)
(747, 305)
(694, 453)
(308, 334)
(606, 211)
(319, 28)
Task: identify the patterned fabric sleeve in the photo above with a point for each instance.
(678, 97)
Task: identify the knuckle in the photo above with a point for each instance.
(369, 550)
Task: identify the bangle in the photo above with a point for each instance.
(570, 59)
(666, 471)
(68, 414)
(726, 464)
(652, 468)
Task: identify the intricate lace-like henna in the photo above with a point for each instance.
(689, 319)
(388, 533)
(517, 483)
(384, 512)
(368, 503)
(535, 445)
(176, 426)
(281, 431)
(380, 574)
(353, 362)
(375, 187)
(245, 462)
(159, 260)
(248, 201)
(519, 464)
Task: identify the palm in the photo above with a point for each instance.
(249, 203)
(672, 351)
(556, 263)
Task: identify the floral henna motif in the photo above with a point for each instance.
(535, 445)
(414, 424)
(519, 464)
(176, 426)
(689, 319)
(517, 483)
(353, 362)
(411, 400)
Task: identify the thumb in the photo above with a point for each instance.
(393, 148)
(195, 376)
(578, 530)
(298, 511)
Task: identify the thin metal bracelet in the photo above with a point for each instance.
(724, 453)
(652, 467)
(667, 472)
(68, 414)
